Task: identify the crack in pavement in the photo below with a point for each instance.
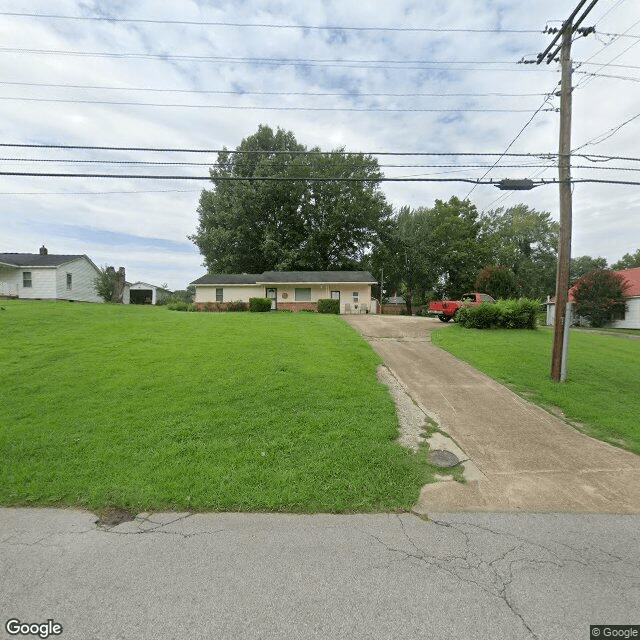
(496, 575)
(141, 521)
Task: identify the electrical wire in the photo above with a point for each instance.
(264, 108)
(263, 25)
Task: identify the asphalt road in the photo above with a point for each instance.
(468, 576)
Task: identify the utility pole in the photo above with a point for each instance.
(560, 332)
(566, 204)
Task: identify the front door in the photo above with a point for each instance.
(273, 295)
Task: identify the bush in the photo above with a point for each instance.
(178, 305)
(504, 314)
(259, 305)
(328, 305)
(236, 305)
(600, 296)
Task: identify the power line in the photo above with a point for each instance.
(263, 25)
(382, 166)
(296, 178)
(592, 157)
(264, 108)
(607, 134)
(291, 62)
(242, 92)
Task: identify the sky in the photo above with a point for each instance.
(438, 77)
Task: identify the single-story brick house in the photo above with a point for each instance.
(631, 319)
(46, 276)
(293, 290)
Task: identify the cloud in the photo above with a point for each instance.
(147, 231)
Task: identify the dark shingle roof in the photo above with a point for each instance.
(228, 278)
(274, 277)
(35, 259)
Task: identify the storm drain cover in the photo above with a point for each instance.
(443, 459)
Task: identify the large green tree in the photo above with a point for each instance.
(584, 264)
(628, 261)
(526, 241)
(322, 213)
(437, 249)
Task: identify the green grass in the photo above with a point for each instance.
(142, 408)
(601, 395)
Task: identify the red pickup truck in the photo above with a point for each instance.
(447, 309)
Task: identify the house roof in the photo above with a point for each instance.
(289, 277)
(632, 276)
(36, 259)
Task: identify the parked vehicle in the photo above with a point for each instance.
(447, 309)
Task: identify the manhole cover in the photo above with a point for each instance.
(443, 459)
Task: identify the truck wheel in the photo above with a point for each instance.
(444, 318)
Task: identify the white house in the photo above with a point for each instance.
(631, 319)
(48, 277)
(292, 290)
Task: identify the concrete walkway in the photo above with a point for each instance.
(529, 460)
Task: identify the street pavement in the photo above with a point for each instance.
(396, 576)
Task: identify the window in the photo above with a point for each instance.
(219, 292)
(356, 296)
(335, 295)
(26, 279)
(69, 281)
(303, 295)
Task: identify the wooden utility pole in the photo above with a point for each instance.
(564, 176)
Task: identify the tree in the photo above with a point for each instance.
(109, 284)
(584, 264)
(628, 261)
(427, 249)
(526, 241)
(498, 281)
(303, 220)
(600, 296)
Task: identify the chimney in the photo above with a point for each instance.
(43, 250)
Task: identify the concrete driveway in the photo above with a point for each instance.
(529, 460)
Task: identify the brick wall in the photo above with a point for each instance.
(297, 306)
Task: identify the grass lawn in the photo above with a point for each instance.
(601, 395)
(142, 408)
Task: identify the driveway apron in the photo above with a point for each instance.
(528, 459)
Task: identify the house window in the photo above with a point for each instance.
(303, 295)
(26, 279)
(335, 295)
(356, 296)
(219, 294)
(69, 282)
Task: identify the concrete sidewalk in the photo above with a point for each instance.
(529, 460)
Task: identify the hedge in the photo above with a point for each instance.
(328, 305)
(259, 305)
(504, 314)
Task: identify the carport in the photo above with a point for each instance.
(145, 293)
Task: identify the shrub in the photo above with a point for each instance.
(600, 296)
(236, 305)
(328, 305)
(178, 305)
(259, 305)
(504, 314)
(499, 282)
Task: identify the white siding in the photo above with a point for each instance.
(631, 317)
(10, 281)
(43, 283)
(230, 293)
(82, 289)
